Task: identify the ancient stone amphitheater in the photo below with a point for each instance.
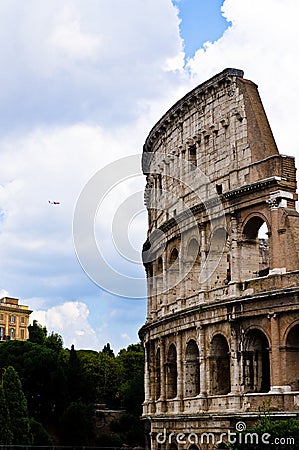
(221, 257)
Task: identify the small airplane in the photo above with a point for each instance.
(54, 203)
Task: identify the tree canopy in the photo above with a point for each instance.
(50, 389)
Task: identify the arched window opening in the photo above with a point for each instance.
(292, 358)
(192, 156)
(263, 250)
(173, 257)
(256, 362)
(159, 266)
(171, 372)
(255, 248)
(193, 253)
(192, 385)
(220, 365)
(158, 375)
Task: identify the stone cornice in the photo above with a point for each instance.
(171, 317)
(256, 186)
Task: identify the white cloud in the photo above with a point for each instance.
(95, 61)
(69, 38)
(71, 320)
(82, 85)
(125, 337)
(3, 293)
(52, 163)
(263, 41)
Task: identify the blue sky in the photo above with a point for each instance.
(82, 83)
(201, 21)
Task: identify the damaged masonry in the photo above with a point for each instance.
(221, 258)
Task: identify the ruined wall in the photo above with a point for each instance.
(222, 298)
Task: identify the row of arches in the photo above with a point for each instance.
(215, 258)
(254, 236)
(253, 360)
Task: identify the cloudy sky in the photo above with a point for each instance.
(82, 84)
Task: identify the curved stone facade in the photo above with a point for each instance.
(222, 329)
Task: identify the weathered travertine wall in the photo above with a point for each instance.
(222, 327)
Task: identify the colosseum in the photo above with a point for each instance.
(221, 336)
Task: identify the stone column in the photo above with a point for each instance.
(234, 258)
(202, 361)
(235, 366)
(18, 332)
(277, 263)
(146, 373)
(149, 280)
(154, 299)
(181, 285)
(163, 373)
(275, 353)
(164, 290)
(180, 379)
(7, 324)
(203, 257)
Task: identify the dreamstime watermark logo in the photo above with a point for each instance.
(239, 436)
(171, 198)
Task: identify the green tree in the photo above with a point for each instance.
(77, 424)
(269, 432)
(37, 333)
(40, 436)
(75, 377)
(6, 436)
(131, 362)
(54, 341)
(108, 380)
(17, 407)
(131, 367)
(42, 374)
(108, 350)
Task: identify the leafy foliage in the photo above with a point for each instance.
(131, 386)
(63, 386)
(40, 436)
(37, 333)
(17, 407)
(6, 436)
(77, 424)
(269, 433)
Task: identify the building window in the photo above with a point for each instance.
(192, 156)
(12, 319)
(219, 366)
(1, 317)
(22, 333)
(1, 333)
(22, 319)
(159, 183)
(12, 333)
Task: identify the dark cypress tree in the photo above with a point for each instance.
(6, 436)
(17, 407)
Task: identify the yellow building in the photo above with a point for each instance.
(14, 319)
